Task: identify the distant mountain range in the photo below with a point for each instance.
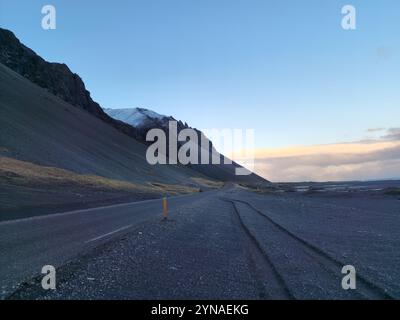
(75, 150)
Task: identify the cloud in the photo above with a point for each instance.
(361, 160)
(392, 134)
(375, 129)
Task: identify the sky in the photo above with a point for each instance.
(285, 68)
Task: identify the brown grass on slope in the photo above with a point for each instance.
(14, 171)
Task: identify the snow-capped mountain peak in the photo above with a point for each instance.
(136, 117)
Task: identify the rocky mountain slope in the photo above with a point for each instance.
(58, 80)
(145, 120)
(38, 127)
(56, 157)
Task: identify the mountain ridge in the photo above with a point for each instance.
(55, 77)
(59, 80)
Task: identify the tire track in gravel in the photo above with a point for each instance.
(269, 287)
(365, 288)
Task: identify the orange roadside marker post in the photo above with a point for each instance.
(165, 208)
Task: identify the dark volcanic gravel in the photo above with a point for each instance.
(208, 250)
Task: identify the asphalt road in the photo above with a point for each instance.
(224, 244)
(27, 245)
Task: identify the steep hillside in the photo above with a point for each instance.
(28, 189)
(55, 77)
(69, 87)
(38, 127)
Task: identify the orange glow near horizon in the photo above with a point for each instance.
(330, 162)
(340, 148)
